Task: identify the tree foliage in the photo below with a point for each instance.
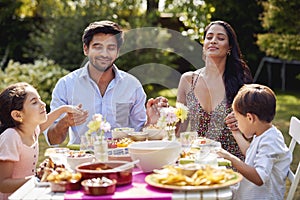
(15, 28)
(280, 20)
(59, 38)
(57, 26)
(243, 16)
(194, 14)
(42, 74)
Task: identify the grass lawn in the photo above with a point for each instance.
(288, 105)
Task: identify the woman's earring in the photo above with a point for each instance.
(228, 52)
(21, 120)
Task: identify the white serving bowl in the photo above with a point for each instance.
(118, 133)
(58, 155)
(155, 133)
(154, 154)
(76, 159)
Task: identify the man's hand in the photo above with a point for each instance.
(77, 117)
(153, 107)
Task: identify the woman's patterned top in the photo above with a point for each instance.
(211, 124)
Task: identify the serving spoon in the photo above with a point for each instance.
(125, 166)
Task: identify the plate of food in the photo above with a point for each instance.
(203, 178)
(120, 153)
(39, 183)
(203, 142)
(192, 156)
(118, 149)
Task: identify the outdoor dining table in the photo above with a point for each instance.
(138, 189)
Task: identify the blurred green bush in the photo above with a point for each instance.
(42, 75)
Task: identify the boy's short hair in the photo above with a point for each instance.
(106, 27)
(256, 99)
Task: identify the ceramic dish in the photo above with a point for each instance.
(58, 186)
(155, 133)
(64, 186)
(151, 180)
(99, 186)
(106, 169)
(154, 154)
(40, 183)
(118, 133)
(138, 136)
(75, 158)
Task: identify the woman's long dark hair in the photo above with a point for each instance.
(11, 98)
(236, 73)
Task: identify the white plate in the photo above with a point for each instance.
(151, 180)
(38, 183)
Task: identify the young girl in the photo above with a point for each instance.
(22, 117)
(267, 158)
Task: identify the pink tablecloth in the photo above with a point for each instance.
(139, 189)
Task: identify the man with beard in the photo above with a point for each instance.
(100, 87)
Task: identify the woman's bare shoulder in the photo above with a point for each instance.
(188, 75)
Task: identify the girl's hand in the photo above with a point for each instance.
(75, 115)
(74, 109)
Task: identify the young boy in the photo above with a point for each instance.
(267, 158)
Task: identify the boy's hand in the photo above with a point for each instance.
(223, 153)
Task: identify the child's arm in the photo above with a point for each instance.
(52, 116)
(8, 184)
(247, 171)
(242, 142)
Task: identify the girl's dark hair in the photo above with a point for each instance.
(256, 99)
(11, 98)
(236, 73)
(106, 27)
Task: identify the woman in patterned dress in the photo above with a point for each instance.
(209, 91)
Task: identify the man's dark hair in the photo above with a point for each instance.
(106, 27)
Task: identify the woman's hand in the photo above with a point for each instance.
(231, 122)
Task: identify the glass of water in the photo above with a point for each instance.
(86, 142)
(187, 139)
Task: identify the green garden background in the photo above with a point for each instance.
(41, 42)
